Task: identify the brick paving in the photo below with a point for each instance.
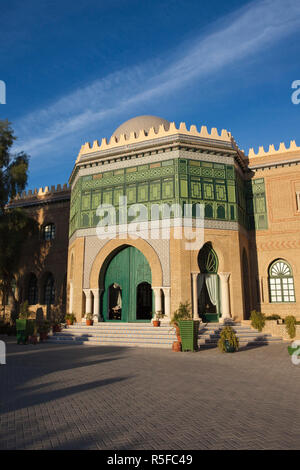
(85, 397)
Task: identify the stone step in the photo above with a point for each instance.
(116, 337)
(146, 335)
(235, 328)
(90, 329)
(241, 344)
(109, 342)
(242, 340)
(239, 335)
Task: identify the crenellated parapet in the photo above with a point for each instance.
(41, 196)
(160, 132)
(272, 151)
(46, 191)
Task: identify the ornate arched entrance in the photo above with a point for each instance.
(208, 284)
(127, 293)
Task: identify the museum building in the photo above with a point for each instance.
(249, 257)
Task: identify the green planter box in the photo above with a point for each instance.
(189, 334)
(24, 328)
(210, 317)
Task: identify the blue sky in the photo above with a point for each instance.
(74, 71)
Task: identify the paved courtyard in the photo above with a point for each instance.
(83, 397)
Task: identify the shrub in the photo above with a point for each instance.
(43, 326)
(56, 316)
(258, 320)
(24, 311)
(71, 317)
(273, 317)
(184, 312)
(290, 325)
(89, 316)
(228, 339)
(159, 315)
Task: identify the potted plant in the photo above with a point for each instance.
(258, 320)
(290, 325)
(33, 339)
(56, 327)
(24, 326)
(89, 319)
(70, 318)
(158, 316)
(56, 319)
(43, 329)
(228, 341)
(188, 328)
(176, 346)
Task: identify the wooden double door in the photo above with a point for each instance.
(127, 293)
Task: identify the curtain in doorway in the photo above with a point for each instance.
(200, 282)
(212, 287)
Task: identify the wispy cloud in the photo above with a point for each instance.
(247, 32)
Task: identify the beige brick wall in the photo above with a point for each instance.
(273, 328)
(281, 240)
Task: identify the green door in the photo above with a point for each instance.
(127, 293)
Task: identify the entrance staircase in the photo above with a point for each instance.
(117, 334)
(209, 334)
(145, 335)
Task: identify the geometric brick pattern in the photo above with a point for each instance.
(68, 397)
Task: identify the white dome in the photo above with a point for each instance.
(140, 123)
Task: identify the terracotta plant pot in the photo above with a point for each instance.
(89, 322)
(156, 323)
(69, 322)
(178, 333)
(43, 336)
(33, 339)
(176, 346)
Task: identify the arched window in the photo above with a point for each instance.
(207, 259)
(32, 290)
(208, 212)
(49, 232)
(49, 290)
(221, 212)
(281, 282)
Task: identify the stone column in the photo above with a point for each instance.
(157, 299)
(71, 298)
(225, 304)
(96, 312)
(167, 294)
(88, 301)
(100, 318)
(195, 295)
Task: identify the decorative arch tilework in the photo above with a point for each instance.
(93, 245)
